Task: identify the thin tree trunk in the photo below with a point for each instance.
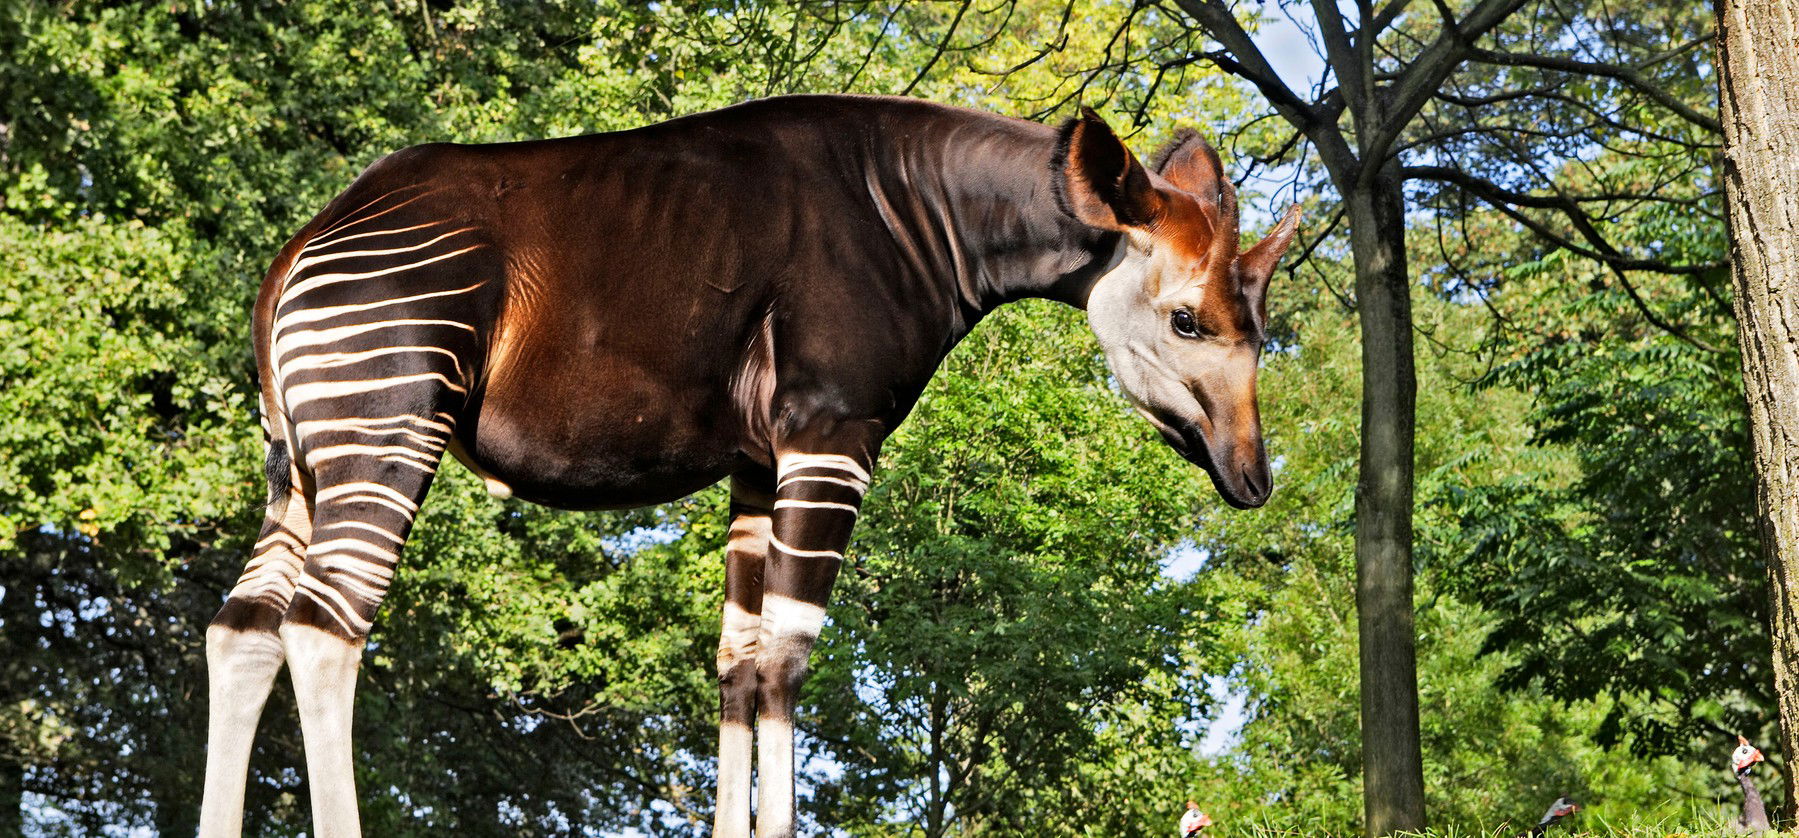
(1759, 62)
(1392, 765)
(12, 797)
(935, 827)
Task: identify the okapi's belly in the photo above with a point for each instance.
(606, 480)
(594, 443)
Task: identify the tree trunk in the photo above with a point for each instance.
(1759, 62)
(12, 797)
(935, 825)
(1392, 767)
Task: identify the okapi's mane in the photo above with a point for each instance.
(1058, 165)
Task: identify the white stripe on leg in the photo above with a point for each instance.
(732, 820)
(786, 620)
(789, 629)
(774, 778)
(736, 664)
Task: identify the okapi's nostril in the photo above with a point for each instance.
(1259, 491)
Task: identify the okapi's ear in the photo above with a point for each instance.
(1192, 165)
(1256, 265)
(1099, 181)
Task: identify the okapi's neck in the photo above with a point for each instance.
(974, 203)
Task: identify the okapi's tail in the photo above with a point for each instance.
(279, 469)
(277, 428)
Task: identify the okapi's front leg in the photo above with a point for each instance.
(817, 496)
(752, 502)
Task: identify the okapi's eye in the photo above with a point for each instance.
(1184, 324)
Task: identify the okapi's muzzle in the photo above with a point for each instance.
(1227, 443)
(1238, 467)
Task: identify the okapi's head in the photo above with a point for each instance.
(1182, 317)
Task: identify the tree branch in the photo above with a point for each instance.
(1426, 75)
(1382, 19)
(941, 46)
(1351, 65)
(1626, 75)
(1504, 200)
(1601, 250)
(1243, 59)
(1249, 62)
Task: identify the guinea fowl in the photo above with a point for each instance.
(1755, 816)
(1561, 808)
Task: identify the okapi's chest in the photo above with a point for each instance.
(634, 320)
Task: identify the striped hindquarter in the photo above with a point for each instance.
(369, 351)
(373, 345)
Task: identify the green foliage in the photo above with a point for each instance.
(1489, 755)
(118, 416)
(1633, 571)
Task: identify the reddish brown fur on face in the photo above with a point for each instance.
(1187, 228)
(1194, 377)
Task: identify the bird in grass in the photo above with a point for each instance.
(1755, 815)
(1561, 808)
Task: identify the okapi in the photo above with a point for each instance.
(760, 293)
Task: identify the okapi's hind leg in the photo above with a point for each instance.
(370, 477)
(243, 650)
(752, 502)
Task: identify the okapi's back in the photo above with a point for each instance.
(556, 285)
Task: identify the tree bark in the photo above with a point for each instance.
(1392, 764)
(1759, 63)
